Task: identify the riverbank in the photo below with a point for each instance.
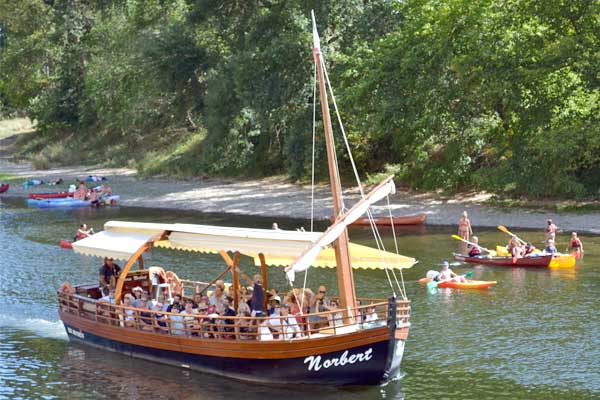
(275, 197)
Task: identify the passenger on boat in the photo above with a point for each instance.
(448, 275)
(576, 245)
(358, 313)
(203, 319)
(105, 192)
(551, 230)
(67, 288)
(176, 304)
(289, 324)
(228, 311)
(464, 226)
(140, 296)
(221, 283)
(275, 227)
(196, 300)
(245, 327)
(275, 302)
(217, 297)
(528, 249)
(92, 196)
(109, 273)
(110, 297)
(319, 303)
(81, 192)
(159, 318)
(371, 315)
(475, 250)
(146, 317)
(515, 249)
(243, 307)
(257, 302)
(176, 322)
(83, 232)
(550, 248)
(128, 315)
(189, 319)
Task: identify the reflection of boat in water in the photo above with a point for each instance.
(345, 349)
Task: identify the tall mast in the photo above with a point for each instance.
(342, 256)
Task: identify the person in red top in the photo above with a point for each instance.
(576, 246)
(464, 227)
(551, 230)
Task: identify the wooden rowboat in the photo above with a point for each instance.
(541, 261)
(417, 219)
(57, 195)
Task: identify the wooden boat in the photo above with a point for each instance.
(417, 219)
(345, 351)
(467, 284)
(57, 195)
(4, 187)
(507, 261)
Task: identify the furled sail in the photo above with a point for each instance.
(304, 261)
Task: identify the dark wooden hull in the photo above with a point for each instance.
(4, 188)
(366, 357)
(534, 261)
(385, 221)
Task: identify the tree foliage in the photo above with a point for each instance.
(454, 94)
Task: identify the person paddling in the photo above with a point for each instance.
(576, 246)
(83, 232)
(475, 250)
(447, 275)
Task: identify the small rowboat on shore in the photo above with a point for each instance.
(4, 187)
(72, 203)
(467, 284)
(58, 195)
(540, 261)
(417, 219)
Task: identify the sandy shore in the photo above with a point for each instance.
(274, 197)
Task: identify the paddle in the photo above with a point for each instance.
(503, 229)
(471, 243)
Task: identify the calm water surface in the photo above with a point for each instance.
(536, 335)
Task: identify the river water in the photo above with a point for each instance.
(536, 335)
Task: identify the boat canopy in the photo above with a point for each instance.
(122, 239)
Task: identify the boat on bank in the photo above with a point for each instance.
(56, 195)
(417, 219)
(540, 261)
(69, 202)
(4, 187)
(345, 349)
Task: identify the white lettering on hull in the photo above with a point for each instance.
(315, 364)
(76, 333)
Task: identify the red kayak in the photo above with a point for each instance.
(467, 284)
(507, 261)
(59, 195)
(385, 221)
(65, 244)
(4, 187)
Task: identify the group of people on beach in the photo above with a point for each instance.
(518, 248)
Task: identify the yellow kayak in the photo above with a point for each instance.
(560, 260)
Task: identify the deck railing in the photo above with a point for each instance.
(221, 327)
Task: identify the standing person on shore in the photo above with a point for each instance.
(464, 226)
(551, 230)
(576, 246)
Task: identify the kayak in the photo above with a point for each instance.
(468, 284)
(559, 260)
(65, 244)
(385, 221)
(58, 195)
(95, 178)
(4, 187)
(71, 203)
(507, 261)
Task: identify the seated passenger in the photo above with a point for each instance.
(245, 326)
(128, 315)
(176, 322)
(550, 248)
(371, 315)
(447, 274)
(138, 292)
(275, 302)
(529, 249)
(146, 317)
(319, 303)
(176, 304)
(105, 192)
(217, 296)
(110, 297)
(189, 319)
(475, 249)
(289, 325)
(160, 319)
(515, 249)
(228, 311)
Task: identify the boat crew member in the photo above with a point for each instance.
(109, 273)
(576, 245)
(464, 226)
(551, 230)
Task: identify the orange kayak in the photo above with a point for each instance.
(468, 284)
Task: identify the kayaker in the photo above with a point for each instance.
(81, 191)
(514, 248)
(576, 245)
(464, 226)
(528, 249)
(550, 248)
(447, 274)
(83, 232)
(551, 230)
(105, 192)
(475, 249)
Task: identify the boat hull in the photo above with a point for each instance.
(65, 244)
(363, 364)
(534, 261)
(385, 221)
(59, 195)
(4, 187)
(70, 202)
(468, 284)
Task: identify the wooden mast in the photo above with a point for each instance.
(342, 256)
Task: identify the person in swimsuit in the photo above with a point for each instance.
(448, 275)
(464, 227)
(576, 246)
(551, 230)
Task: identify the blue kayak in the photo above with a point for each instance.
(69, 202)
